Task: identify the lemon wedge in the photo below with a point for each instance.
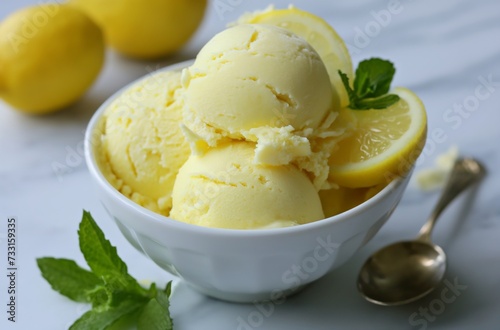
(319, 34)
(384, 144)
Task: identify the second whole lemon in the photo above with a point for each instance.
(145, 29)
(50, 54)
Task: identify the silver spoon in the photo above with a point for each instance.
(406, 271)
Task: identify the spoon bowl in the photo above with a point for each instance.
(406, 271)
(402, 272)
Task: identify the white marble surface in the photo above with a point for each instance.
(444, 50)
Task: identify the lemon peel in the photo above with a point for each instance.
(384, 145)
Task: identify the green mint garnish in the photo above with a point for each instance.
(108, 286)
(371, 85)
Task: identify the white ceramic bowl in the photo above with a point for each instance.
(241, 265)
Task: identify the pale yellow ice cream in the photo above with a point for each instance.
(224, 188)
(239, 140)
(143, 146)
(259, 83)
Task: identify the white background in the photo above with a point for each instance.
(440, 49)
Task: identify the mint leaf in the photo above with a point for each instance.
(102, 319)
(69, 279)
(156, 314)
(112, 294)
(377, 103)
(162, 298)
(373, 78)
(154, 318)
(99, 298)
(116, 297)
(345, 81)
(371, 85)
(168, 289)
(100, 255)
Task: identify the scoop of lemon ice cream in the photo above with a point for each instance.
(249, 82)
(142, 145)
(224, 188)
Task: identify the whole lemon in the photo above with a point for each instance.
(49, 55)
(145, 29)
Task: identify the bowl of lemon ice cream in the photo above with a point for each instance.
(218, 169)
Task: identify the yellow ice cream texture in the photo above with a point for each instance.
(242, 139)
(142, 144)
(263, 84)
(224, 188)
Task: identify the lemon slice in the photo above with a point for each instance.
(319, 34)
(385, 143)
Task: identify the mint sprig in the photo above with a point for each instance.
(371, 84)
(112, 291)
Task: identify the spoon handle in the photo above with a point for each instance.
(465, 172)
